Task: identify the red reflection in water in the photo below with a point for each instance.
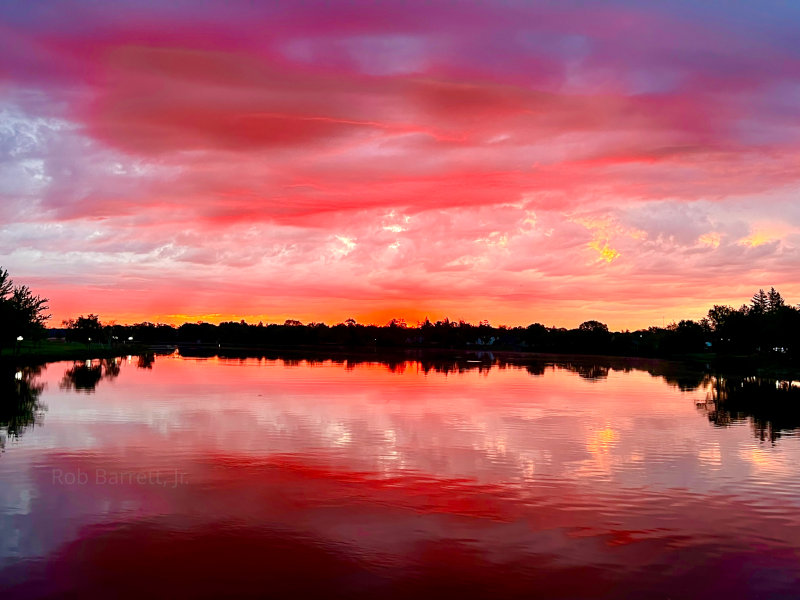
(392, 483)
(250, 528)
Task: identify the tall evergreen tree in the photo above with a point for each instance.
(6, 285)
(774, 300)
(759, 302)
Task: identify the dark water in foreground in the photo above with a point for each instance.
(264, 478)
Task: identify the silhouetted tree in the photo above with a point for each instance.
(21, 312)
(593, 327)
(6, 285)
(536, 336)
(760, 302)
(718, 316)
(85, 329)
(774, 300)
(687, 337)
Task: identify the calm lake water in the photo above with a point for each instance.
(215, 478)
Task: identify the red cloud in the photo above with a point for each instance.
(356, 159)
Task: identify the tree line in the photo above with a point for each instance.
(767, 325)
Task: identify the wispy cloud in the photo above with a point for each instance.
(511, 161)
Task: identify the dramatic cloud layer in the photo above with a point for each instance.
(516, 161)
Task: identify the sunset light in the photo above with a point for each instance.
(512, 161)
(393, 299)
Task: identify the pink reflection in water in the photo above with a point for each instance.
(255, 478)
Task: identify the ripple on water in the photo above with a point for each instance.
(386, 481)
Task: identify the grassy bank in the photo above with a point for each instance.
(47, 351)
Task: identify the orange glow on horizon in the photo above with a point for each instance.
(537, 162)
(554, 317)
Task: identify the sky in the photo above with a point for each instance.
(519, 162)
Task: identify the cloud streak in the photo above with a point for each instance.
(513, 161)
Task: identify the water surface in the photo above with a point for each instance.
(216, 477)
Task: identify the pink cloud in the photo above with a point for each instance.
(525, 163)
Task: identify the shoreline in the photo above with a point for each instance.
(46, 352)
